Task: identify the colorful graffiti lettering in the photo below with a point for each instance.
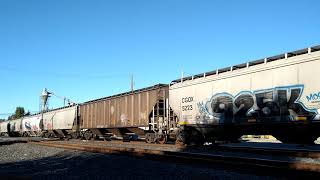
(201, 107)
(49, 126)
(313, 97)
(35, 128)
(276, 102)
(27, 125)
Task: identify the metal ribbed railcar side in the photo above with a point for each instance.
(60, 122)
(125, 110)
(59, 119)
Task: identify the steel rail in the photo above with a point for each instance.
(190, 156)
(307, 153)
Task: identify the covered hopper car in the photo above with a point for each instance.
(142, 112)
(61, 122)
(15, 127)
(30, 125)
(4, 128)
(278, 95)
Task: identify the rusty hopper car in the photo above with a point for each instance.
(132, 113)
(279, 95)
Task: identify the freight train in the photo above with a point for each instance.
(278, 95)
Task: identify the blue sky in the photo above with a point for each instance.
(88, 49)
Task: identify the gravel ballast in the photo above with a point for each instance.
(24, 160)
(24, 151)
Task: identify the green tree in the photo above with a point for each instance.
(18, 113)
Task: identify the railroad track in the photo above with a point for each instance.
(305, 153)
(169, 152)
(279, 151)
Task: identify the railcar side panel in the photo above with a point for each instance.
(15, 125)
(127, 110)
(60, 118)
(31, 123)
(286, 90)
(4, 127)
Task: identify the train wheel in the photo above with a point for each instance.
(190, 136)
(182, 138)
(46, 135)
(68, 137)
(82, 135)
(179, 143)
(51, 135)
(162, 139)
(150, 137)
(74, 135)
(88, 135)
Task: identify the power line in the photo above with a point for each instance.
(5, 114)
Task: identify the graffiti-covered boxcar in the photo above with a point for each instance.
(31, 125)
(279, 95)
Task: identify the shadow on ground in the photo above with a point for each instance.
(83, 165)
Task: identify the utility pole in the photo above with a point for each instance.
(132, 83)
(182, 76)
